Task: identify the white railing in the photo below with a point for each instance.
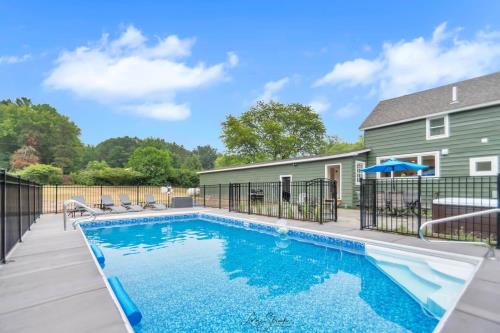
(491, 249)
(93, 213)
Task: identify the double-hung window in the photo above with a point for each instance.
(437, 127)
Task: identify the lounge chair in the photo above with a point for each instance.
(107, 204)
(151, 202)
(81, 209)
(125, 201)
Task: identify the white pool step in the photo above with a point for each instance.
(434, 282)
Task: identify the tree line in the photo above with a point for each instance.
(40, 144)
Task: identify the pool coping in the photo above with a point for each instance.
(474, 260)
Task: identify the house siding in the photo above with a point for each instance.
(465, 133)
(299, 172)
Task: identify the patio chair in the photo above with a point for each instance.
(151, 202)
(125, 202)
(81, 209)
(108, 204)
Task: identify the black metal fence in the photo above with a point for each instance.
(314, 200)
(55, 195)
(20, 206)
(402, 205)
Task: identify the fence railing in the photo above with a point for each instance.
(314, 200)
(20, 206)
(402, 205)
(55, 195)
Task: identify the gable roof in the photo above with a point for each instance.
(289, 161)
(471, 94)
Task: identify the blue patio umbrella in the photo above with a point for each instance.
(394, 165)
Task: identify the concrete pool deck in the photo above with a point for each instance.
(51, 282)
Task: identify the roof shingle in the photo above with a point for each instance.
(476, 91)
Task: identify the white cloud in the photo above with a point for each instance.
(271, 88)
(408, 66)
(347, 111)
(129, 73)
(320, 105)
(14, 59)
(232, 59)
(161, 111)
(354, 72)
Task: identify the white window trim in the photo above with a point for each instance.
(363, 175)
(437, 160)
(327, 166)
(446, 128)
(494, 166)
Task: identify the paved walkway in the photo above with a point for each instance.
(53, 285)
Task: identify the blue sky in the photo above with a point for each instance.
(176, 69)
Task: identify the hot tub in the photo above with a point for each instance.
(482, 226)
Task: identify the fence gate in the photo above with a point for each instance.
(313, 200)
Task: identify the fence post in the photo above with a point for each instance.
(419, 205)
(229, 196)
(3, 217)
(335, 196)
(321, 201)
(374, 198)
(56, 197)
(248, 198)
(19, 215)
(498, 206)
(279, 199)
(204, 195)
(28, 184)
(361, 204)
(220, 193)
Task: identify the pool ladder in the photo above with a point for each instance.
(93, 213)
(491, 249)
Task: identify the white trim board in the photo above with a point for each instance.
(437, 168)
(303, 160)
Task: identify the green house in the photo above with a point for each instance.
(454, 129)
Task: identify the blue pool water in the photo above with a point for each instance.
(200, 276)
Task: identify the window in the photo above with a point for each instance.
(437, 127)
(359, 174)
(483, 166)
(430, 159)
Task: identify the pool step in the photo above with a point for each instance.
(434, 282)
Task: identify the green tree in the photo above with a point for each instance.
(54, 136)
(185, 178)
(42, 173)
(88, 153)
(100, 173)
(207, 156)
(335, 144)
(179, 154)
(275, 130)
(153, 163)
(117, 151)
(229, 160)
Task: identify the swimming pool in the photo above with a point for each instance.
(203, 273)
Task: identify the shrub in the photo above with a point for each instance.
(42, 173)
(99, 173)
